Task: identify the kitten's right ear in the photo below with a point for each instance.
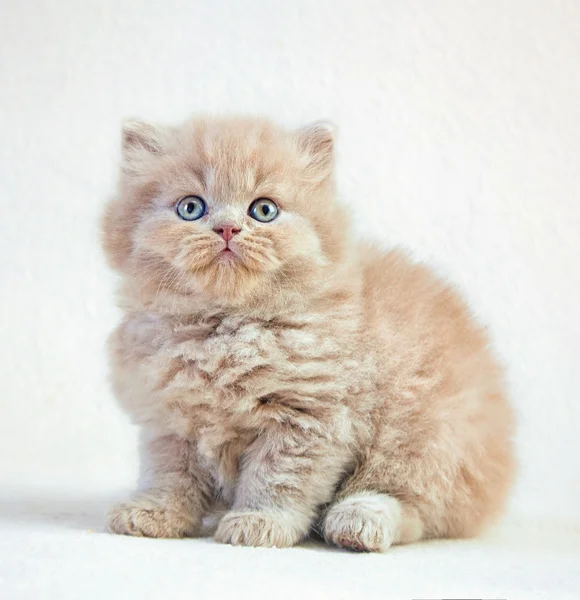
(142, 142)
(138, 135)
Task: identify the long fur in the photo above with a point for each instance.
(306, 380)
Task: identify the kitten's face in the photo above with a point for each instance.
(227, 209)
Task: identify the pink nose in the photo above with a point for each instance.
(227, 231)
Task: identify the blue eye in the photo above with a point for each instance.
(191, 208)
(263, 210)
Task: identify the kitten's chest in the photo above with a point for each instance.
(222, 381)
(216, 372)
(223, 378)
(221, 363)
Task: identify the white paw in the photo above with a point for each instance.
(146, 518)
(365, 522)
(254, 528)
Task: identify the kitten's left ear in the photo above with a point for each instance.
(316, 142)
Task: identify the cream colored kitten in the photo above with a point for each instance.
(277, 365)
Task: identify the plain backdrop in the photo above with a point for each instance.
(459, 138)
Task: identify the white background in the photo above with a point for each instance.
(459, 137)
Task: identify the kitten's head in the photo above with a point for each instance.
(231, 210)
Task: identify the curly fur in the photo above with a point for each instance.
(304, 380)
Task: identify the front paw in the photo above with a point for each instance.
(254, 528)
(144, 517)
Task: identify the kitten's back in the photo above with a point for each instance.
(445, 395)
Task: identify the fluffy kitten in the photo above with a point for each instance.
(275, 364)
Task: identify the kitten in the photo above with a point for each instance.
(274, 363)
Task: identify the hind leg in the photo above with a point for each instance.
(371, 522)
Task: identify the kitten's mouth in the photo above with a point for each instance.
(227, 252)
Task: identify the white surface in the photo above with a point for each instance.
(51, 547)
(459, 128)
